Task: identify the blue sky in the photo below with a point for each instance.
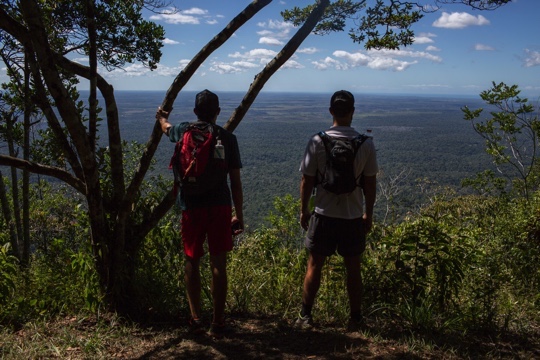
(457, 50)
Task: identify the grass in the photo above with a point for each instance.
(415, 308)
(269, 337)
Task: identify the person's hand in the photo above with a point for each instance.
(368, 223)
(304, 219)
(237, 226)
(160, 113)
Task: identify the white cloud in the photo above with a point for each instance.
(270, 41)
(483, 47)
(222, 68)
(195, 11)
(326, 63)
(260, 55)
(459, 20)
(405, 53)
(308, 50)
(232, 68)
(183, 63)
(355, 59)
(432, 48)
(276, 25)
(176, 18)
(423, 40)
(167, 70)
(133, 70)
(138, 70)
(191, 16)
(81, 60)
(253, 59)
(245, 64)
(428, 86)
(274, 29)
(375, 59)
(292, 64)
(531, 59)
(264, 32)
(168, 41)
(389, 64)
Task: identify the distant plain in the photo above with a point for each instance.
(425, 137)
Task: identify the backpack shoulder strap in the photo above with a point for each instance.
(326, 140)
(216, 131)
(358, 141)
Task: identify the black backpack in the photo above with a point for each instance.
(338, 176)
(198, 161)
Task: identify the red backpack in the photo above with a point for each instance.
(198, 161)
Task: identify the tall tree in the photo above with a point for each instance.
(48, 30)
(511, 135)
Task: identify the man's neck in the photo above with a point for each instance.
(342, 122)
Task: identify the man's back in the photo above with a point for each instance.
(220, 195)
(345, 206)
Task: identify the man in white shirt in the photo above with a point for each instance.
(337, 222)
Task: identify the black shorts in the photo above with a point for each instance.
(325, 235)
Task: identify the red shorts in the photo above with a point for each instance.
(213, 223)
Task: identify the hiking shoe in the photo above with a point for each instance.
(304, 322)
(356, 323)
(218, 330)
(196, 326)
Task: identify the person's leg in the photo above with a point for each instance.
(218, 263)
(193, 285)
(312, 280)
(354, 284)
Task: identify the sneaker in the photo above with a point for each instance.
(196, 326)
(218, 330)
(356, 323)
(304, 322)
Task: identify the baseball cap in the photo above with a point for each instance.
(342, 101)
(206, 103)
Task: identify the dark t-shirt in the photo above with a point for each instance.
(221, 194)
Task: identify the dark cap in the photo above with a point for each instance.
(206, 104)
(342, 102)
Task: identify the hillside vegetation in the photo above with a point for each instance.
(448, 272)
(423, 143)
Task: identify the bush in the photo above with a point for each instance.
(8, 274)
(160, 289)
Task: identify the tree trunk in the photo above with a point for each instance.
(15, 187)
(115, 234)
(6, 210)
(25, 259)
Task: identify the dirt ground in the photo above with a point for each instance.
(261, 338)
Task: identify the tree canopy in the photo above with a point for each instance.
(38, 35)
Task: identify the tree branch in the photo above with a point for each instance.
(273, 66)
(36, 168)
(179, 83)
(113, 124)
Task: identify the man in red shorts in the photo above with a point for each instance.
(209, 216)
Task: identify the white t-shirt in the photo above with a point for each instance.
(344, 206)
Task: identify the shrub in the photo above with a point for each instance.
(8, 274)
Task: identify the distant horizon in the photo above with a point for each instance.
(424, 95)
(456, 52)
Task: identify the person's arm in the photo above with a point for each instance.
(237, 198)
(162, 117)
(306, 188)
(370, 191)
